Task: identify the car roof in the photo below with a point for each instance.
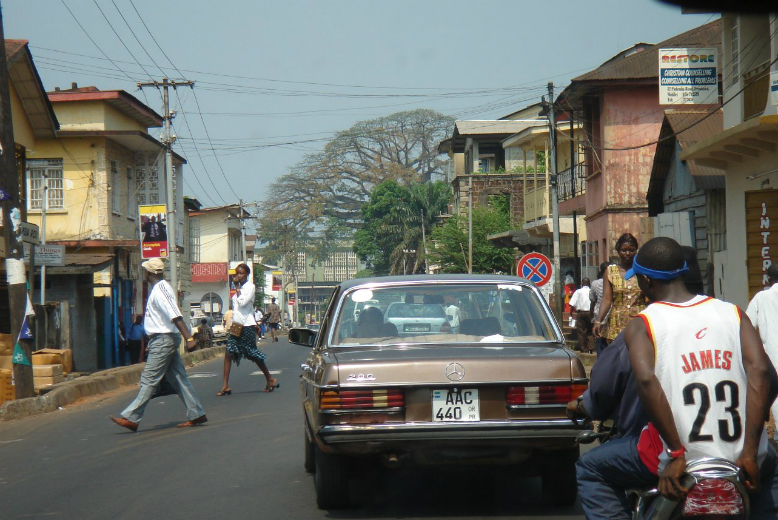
(432, 279)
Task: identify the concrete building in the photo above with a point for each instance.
(746, 153)
(215, 244)
(618, 107)
(102, 164)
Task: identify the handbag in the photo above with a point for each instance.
(236, 329)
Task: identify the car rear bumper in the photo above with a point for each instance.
(428, 431)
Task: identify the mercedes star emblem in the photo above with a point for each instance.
(455, 372)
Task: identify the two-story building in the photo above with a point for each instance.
(90, 179)
(746, 153)
(619, 108)
(216, 246)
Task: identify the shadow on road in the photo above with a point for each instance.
(461, 491)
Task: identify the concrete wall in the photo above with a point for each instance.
(486, 185)
(23, 133)
(93, 115)
(78, 219)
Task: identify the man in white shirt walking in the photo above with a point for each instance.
(163, 323)
(581, 302)
(763, 313)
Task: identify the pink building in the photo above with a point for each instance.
(618, 104)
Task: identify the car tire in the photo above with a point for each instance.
(309, 453)
(330, 479)
(560, 486)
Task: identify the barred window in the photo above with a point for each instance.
(50, 170)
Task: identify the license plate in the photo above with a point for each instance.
(417, 327)
(455, 405)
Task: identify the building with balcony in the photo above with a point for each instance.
(529, 150)
(746, 153)
(618, 107)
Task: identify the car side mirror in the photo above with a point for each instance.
(304, 337)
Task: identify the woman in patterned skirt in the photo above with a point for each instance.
(621, 297)
(246, 344)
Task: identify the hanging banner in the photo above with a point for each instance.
(688, 76)
(19, 357)
(153, 231)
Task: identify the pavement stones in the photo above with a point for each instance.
(69, 392)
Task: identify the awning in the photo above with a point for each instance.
(81, 264)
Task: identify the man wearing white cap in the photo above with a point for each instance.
(163, 323)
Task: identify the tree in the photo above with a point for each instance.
(259, 283)
(327, 189)
(450, 239)
(391, 240)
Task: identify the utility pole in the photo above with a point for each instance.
(424, 244)
(470, 228)
(14, 251)
(44, 205)
(242, 232)
(170, 196)
(558, 292)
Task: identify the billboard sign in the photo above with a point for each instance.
(277, 280)
(153, 231)
(688, 76)
(209, 272)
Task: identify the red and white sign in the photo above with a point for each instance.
(535, 267)
(209, 272)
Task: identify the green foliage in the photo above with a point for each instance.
(364, 273)
(390, 240)
(450, 251)
(258, 274)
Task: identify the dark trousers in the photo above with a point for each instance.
(583, 326)
(600, 344)
(133, 347)
(605, 472)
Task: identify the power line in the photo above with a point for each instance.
(136, 38)
(208, 135)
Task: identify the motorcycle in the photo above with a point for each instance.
(716, 491)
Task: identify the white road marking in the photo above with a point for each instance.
(272, 373)
(202, 374)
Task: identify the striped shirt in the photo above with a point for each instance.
(161, 309)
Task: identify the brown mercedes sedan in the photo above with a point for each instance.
(442, 369)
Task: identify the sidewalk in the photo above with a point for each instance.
(70, 392)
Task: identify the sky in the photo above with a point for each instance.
(276, 80)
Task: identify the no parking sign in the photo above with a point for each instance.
(535, 267)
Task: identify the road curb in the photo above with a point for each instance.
(68, 392)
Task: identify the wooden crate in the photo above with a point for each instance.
(7, 390)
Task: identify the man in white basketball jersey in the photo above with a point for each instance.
(703, 378)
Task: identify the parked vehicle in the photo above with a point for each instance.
(417, 318)
(493, 392)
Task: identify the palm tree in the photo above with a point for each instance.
(414, 213)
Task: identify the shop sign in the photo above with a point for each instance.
(209, 272)
(762, 237)
(688, 76)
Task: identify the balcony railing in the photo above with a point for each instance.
(757, 81)
(571, 182)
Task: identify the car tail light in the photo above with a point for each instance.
(542, 395)
(713, 496)
(361, 399)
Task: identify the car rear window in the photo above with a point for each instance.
(447, 313)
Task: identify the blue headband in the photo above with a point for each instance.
(652, 273)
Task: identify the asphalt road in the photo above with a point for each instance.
(246, 462)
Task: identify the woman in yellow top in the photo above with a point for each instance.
(621, 297)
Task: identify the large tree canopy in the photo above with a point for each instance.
(327, 189)
(391, 240)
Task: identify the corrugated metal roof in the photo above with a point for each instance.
(506, 126)
(645, 63)
(692, 126)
